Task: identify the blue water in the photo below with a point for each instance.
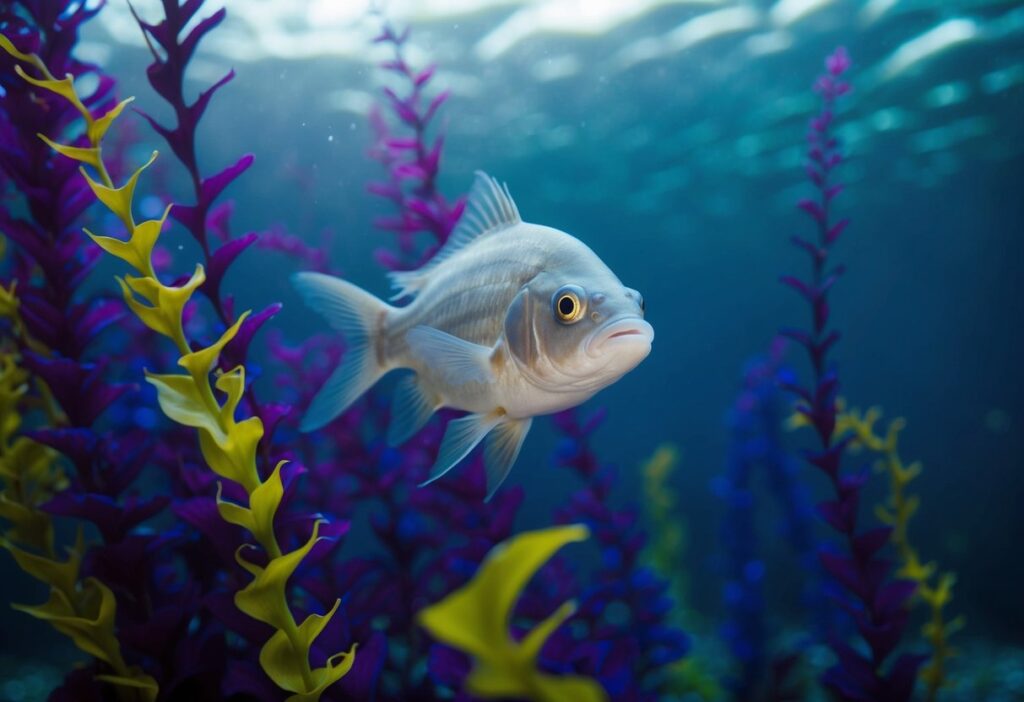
(682, 172)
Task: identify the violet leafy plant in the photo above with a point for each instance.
(876, 603)
(56, 329)
(629, 651)
(228, 445)
(411, 161)
(757, 447)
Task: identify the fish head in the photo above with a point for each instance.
(578, 332)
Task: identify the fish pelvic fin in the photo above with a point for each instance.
(502, 449)
(411, 408)
(359, 316)
(461, 437)
(490, 209)
(455, 360)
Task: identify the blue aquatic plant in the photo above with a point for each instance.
(876, 603)
(627, 641)
(757, 447)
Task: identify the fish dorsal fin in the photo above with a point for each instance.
(490, 209)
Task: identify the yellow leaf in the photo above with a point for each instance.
(146, 685)
(88, 155)
(137, 252)
(8, 46)
(337, 667)
(200, 362)
(475, 620)
(233, 455)
(97, 129)
(232, 513)
(263, 502)
(264, 598)
(231, 384)
(119, 200)
(181, 400)
(92, 630)
(62, 575)
(168, 303)
(283, 662)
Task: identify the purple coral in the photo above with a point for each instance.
(876, 603)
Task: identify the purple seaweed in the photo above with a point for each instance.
(876, 603)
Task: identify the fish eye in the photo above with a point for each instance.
(568, 303)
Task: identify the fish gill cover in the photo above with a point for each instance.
(220, 553)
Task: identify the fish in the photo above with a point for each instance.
(507, 321)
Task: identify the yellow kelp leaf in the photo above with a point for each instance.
(8, 46)
(62, 575)
(138, 250)
(284, 663)
(89, 155)
(232, 513)
(168, 303)
(258, 518)
(337, 667)
(181, 400)
(119, 200)
(263, 502)
(28, 526)
(200, 362)
(264, 598)
(97, 129)
(92, 629)
(475, 619)
(233, 455)
(9, 301)
(146, 685)
(493, 683)
(64, 87)
(534, 641)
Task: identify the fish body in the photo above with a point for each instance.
(510, 320)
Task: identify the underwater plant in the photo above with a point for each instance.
(624, 607)
(205, 562)
(756, 446)
(876, 604)
(54, 330)
(228, 446)
(665, 551)
(934, 589)
(411, 161)
(476, 618)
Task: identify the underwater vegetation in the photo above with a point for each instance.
(215, 552)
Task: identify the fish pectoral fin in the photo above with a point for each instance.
(411, 408)
(456, 360)
(461, 437)
(501, 450)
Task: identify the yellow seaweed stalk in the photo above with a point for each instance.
(934, 589)
(30, 474)
(207, 400)
(475, 619)
(668, 542)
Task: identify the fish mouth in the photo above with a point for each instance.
(619, 332)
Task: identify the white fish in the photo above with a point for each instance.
(508, 321)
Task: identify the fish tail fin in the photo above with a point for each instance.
(359, 316)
